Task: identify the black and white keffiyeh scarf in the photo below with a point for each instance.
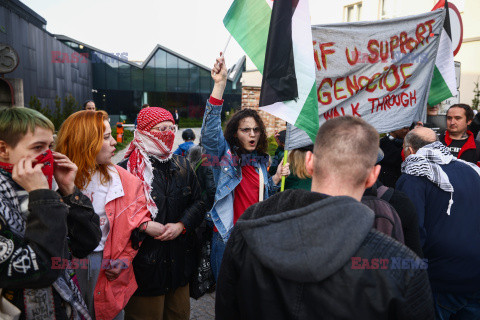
(13, 204)
(426, 163)
(14, 209)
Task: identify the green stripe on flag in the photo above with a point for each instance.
(439, 90)
(308, 118)
(248, 22)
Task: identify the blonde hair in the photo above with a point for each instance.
(296, 158)
(81, 138)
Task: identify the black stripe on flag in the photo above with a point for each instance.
(279, 82)
(446, 22)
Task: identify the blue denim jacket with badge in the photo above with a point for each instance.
(226, 170)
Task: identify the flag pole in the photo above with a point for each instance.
(226, 46)
(285, 156)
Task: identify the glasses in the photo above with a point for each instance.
(165, 128)
(255, 130)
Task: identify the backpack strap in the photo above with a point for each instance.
(385, 193)
(199, 163)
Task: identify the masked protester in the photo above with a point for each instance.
(35, 257)
(164, 264)
(119, 201)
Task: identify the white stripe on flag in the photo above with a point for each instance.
(445, 63)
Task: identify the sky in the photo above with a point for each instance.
(192, 28)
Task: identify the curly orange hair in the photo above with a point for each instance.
(80, 138)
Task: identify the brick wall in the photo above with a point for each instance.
(250, 99)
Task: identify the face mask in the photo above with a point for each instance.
(46, 158)
(167, 137)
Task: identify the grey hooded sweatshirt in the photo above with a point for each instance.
(300, 255)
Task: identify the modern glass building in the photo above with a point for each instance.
(36, 74)
(165, 79)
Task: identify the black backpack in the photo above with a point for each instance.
(386, 217)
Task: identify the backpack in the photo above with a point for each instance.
(386, 217)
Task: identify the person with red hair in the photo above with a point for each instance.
(164, 264)
(119, 200)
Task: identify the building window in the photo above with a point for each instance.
(388, 9)
(352, 12)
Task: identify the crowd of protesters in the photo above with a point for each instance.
(368, 228)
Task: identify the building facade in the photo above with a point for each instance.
(165, 79)
(56, 66)
(24, 31)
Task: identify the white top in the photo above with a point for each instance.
(100, 194)
(97, 193)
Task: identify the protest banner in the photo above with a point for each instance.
(380, 71)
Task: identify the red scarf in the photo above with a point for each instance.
(46, 158)
(146, 144)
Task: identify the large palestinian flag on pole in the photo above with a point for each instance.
(444, 84)
(288, 66)
(248, 22)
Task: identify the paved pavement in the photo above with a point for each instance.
(203, 308)
(178, 140)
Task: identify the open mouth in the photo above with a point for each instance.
(251, 143)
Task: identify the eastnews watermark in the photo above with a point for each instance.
(359, 263)
(242, 160)
(62, 263)
(84, 57)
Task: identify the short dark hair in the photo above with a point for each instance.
(416, 141)
(232, 127)
(282, 135)
(188, 134)
(346, 147)
(87, 101)
(468, 111)
(146, 105)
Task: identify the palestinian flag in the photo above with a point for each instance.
(278, 40)
(444, 84)
(248, 22)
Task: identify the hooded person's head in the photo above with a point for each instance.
(153, 137)
(157, 123)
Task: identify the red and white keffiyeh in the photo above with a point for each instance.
(147, 144)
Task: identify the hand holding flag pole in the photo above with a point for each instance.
(222, 53)
(285, 157)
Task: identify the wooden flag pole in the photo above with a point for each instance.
(285, 156)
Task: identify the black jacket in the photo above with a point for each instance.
(28, 261)
(471, 149)
(392, 160)
(291, 257)
(204, 173)
(474, 127)
(163, 266)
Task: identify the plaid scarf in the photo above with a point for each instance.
(427, 163)
(13, 203)
(144, 145)
(14, 208)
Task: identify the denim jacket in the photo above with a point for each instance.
(226, 171)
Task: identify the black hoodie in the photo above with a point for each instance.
(290, 257)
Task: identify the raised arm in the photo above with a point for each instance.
(212, 136)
